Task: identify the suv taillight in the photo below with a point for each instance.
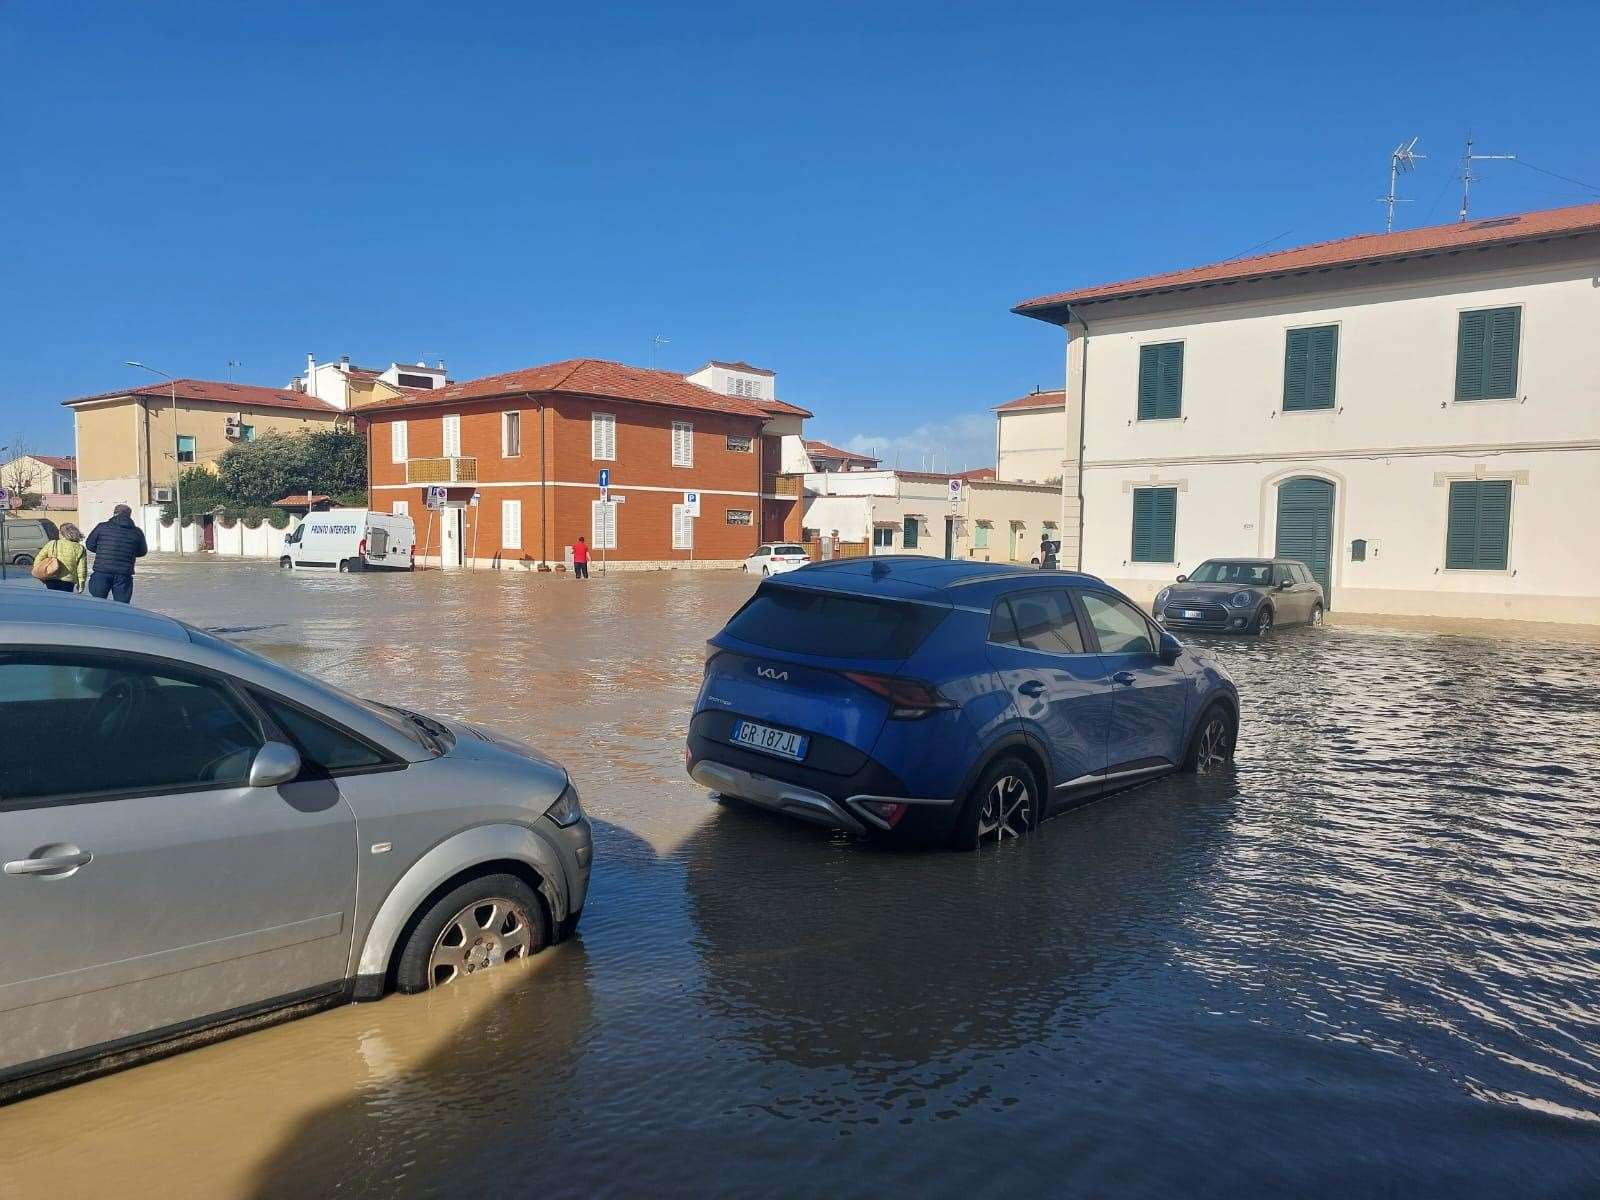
(908, 699)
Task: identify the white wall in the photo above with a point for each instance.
(1392, 439)
(1030, 442)
(98, 497)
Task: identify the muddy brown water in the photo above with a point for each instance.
(1365, 962)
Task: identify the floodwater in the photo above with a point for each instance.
(1367, 962)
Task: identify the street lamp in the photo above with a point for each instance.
(177, 467)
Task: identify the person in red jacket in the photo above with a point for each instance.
(580, 559)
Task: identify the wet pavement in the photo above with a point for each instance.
(1365, 962)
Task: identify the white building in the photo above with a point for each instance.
(345, 386)
(1416, 415)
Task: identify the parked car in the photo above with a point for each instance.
(775, 558)
(921, 699)
(194, 837)
(1242, 595)
(25, 538)
(351, 539)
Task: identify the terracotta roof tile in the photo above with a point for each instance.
(1053, 399)
(1344, 252)
(782, 408)
(245, 395)
(57, 462)
(828, 451)
(743, 366)
(582, 377)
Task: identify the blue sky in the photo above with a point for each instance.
(852, 195)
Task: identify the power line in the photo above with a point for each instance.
(1588, 187)
(1260, 245)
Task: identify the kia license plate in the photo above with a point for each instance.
(778, 742)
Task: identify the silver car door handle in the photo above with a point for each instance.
(44, 866)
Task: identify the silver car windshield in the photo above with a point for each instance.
(428, 734)
(1244, 573)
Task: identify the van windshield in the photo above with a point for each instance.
(834, 626)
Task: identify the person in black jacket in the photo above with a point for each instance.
(115, 544)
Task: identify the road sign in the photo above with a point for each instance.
(616, 500)
(691, 503)
(5, 497)
(475, 498)
(605, 478)
(437, 496)
(955, 490)
(605, 495)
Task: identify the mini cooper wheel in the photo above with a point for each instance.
(483, 923)
(1214, 740)
(1263, 625)
(1315, 619)
(1003, 805)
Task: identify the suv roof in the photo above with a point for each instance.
(915, 576)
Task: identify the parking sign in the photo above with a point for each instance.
(691, 503)
(437, 496)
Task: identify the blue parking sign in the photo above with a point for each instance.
(605, 477)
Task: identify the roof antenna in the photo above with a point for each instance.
(1467, 159)
(1402, 159)
(656, 343)
(232, 363)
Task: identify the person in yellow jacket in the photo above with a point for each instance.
(72, 560)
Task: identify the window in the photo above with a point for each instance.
(511, 524)
(602, 525)
(980, 536)
(682, 444)
(510, 435)
(739, 444)
(1245, 574)
(834, 626)
(883, 537)
(452, 436)
(1478, 537)
(603, 436)
(682, 528)
(1117, 624)
(1310, 362)
(744, 387)
(1161, 381)
(397, 442)
(118, 715)
(1487, 343)
(1358, 550)
(741, 516)
(1037, 621)
(414, 381)
(247, 433)
(1155, 521)
(185, 448)
(909, 536)
(322, 747)
(401, 508)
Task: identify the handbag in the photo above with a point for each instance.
(45, 564)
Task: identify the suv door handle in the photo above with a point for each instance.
(1123, 677)
(47, 866)
(1031, 688)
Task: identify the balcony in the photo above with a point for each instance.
(780, 485)
(441, 470)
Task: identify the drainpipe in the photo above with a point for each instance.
(1083, 406)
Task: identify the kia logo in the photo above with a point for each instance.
(772, 674)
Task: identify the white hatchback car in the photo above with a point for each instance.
(774, 558)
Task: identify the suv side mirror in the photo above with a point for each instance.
(274, 763)
(1285, 584)
(1169, 649)
(1183, 579)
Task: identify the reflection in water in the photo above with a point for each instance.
(1367, 962)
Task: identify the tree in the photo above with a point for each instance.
(23, 474)
(202, 492)
(331, 462)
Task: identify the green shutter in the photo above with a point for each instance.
(1155, 519)
(1296, 356)
(1161, 381)
(1487, 345)
(1478, 533)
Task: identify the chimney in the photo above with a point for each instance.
(344, 363)
(441, 366)
(311, 374)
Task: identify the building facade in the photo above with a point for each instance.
(132, 443)
(1415, 415)
(530, 446)
(345, 386)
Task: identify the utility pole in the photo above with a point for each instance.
(1402, 159)
(177, 467)
(1467, 177)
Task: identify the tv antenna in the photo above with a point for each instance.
(1402, 159)
(656, 343)
(1467, 159)
(232, 363)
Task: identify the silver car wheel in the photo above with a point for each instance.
(1316, 615)
(1212, 752)
(484, 934)
(1007, 809)
(1264, 623)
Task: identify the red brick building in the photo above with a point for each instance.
(531, 444)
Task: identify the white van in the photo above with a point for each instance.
(351, 539)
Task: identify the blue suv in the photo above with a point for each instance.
(925, 700)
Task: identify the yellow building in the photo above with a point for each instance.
(131, 443)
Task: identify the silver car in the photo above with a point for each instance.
(194, 837)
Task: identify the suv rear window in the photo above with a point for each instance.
(811, 622)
